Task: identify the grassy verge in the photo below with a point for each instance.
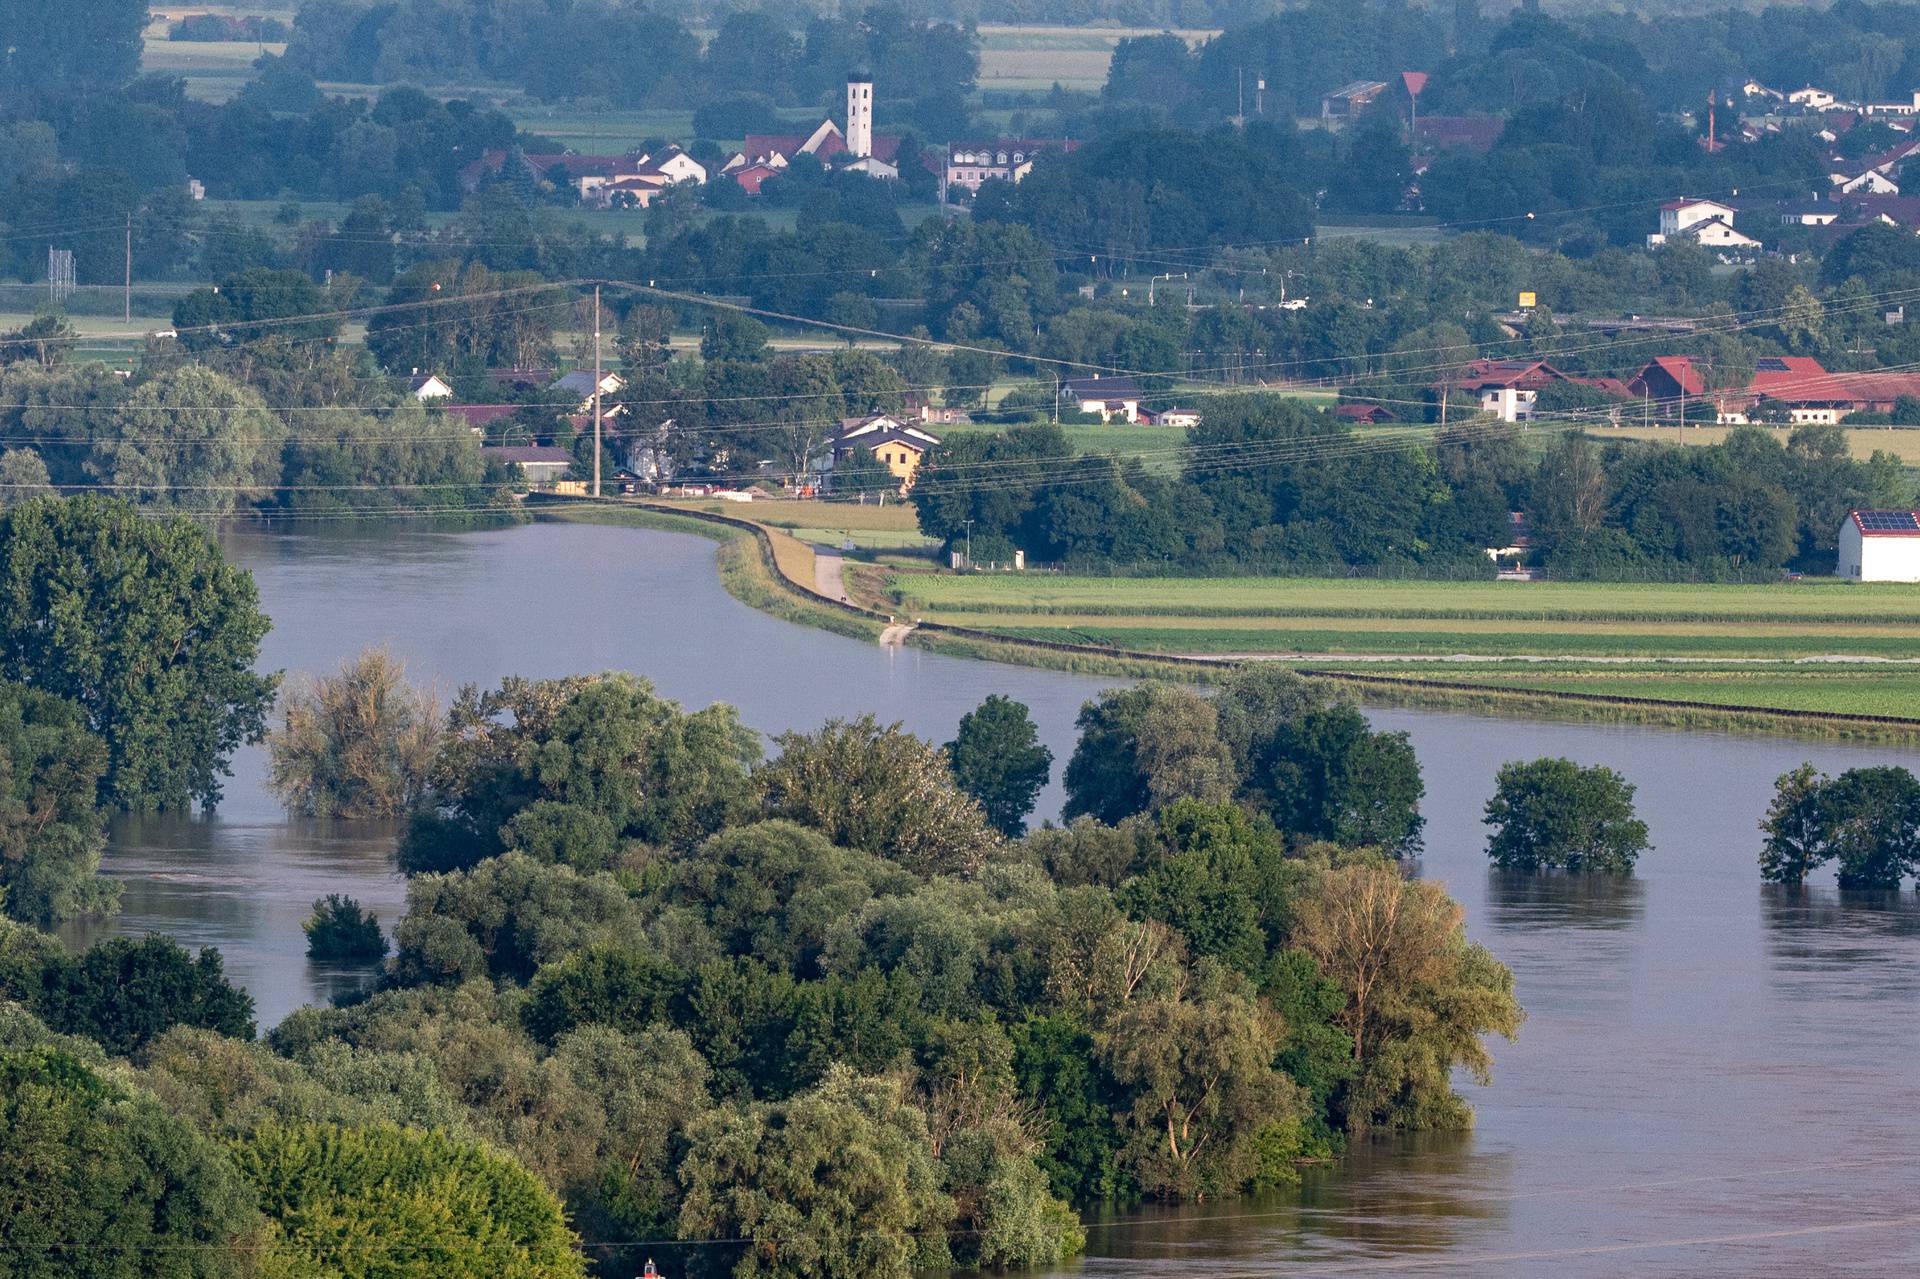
(744, 567)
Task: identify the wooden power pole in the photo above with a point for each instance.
(596, 390)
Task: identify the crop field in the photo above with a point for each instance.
(1862, 441)
(1035, 58)
(1846, 690)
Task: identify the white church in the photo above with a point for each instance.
(857, 149)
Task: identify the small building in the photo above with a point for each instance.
(1173, 415)
(428, 386)
(895, 444)
(1880, 546)
(1362, 414)
(538, 464)
(1351, 99)
(1111, 397)
(968, 164)
(1668, 380)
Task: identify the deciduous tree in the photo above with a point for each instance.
(997, 758)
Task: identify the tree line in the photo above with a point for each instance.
(1270, 485)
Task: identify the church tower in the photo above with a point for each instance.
(860, 113)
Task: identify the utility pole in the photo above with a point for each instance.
(596, 390)
(126, 296)
(969, 546)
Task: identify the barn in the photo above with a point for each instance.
(1880, 546)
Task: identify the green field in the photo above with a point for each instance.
(1761, 646)
(1035, 58)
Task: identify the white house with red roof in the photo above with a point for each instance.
(968, 164)
(1880, 546)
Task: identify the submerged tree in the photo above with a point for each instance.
(1552, 814)
(1867, 820)
(997, 758)
(358, 743)
(339, 929)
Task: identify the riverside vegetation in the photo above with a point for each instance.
(801, 1013)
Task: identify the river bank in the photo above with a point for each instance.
(769, 568)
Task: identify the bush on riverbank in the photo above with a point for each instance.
(339, 930)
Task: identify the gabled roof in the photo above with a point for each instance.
(1680, 368)
(581, 382)
(1688, 203)
(1101, 388)
(479, 414)
(880, 428)
(1489, 374)
(1475, 132)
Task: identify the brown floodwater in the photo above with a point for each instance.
(1714, 1078)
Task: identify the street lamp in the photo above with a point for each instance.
(1168, 276)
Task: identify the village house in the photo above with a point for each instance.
(1173, 415)
(1113, 398)
(1811, 98)
(1510, 389)
(1880, 546)
(1362, 414)
(578, 386)
(1708, 223)
(479, 416)
(968, 164)
(428, 386)
(540, 465)
(604, 181)
(894, 444)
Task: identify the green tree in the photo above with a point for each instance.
(631, 761)
(338, 929)
(192, 439)
(862, 476)
(839, 1181)
(1198, 1069)
(1329, 776)
(1798, 839)
(144, 624)
(23, 476)
(1873, 815)
(1142, 747)
(883, 791)
(51, 834)
(99, 1182)
(1552, 814)
(386, 1202)
(997, 758)
(733, 336)
(357, 743)
(123, 993)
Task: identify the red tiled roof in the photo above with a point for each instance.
(1475, 132)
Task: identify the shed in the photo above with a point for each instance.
(1880, 546)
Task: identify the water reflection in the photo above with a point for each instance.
(1827, 944)
(1522, 902)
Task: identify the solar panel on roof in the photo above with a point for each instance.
(1889, 522)
(1770, 364)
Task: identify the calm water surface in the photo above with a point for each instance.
(1713, 1079)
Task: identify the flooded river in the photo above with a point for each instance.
(1713, 1079)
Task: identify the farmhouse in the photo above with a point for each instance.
(893, 443)
(1880, 546)
(1509, 389)
(428, 386)
(1110, 397)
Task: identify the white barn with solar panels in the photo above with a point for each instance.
(1880, 546)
